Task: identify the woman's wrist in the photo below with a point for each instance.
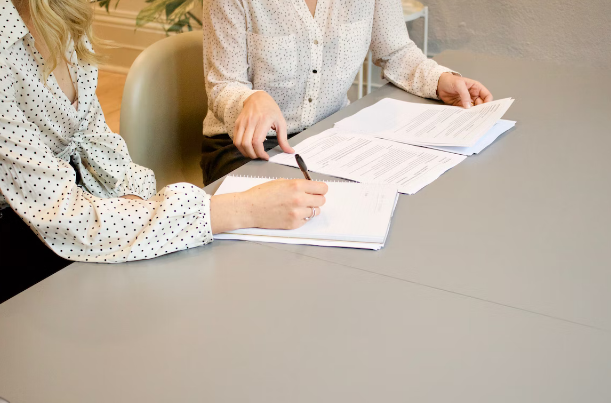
(229, 212)
(255, 97)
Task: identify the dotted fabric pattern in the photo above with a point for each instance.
(43, 136)
(307, 64)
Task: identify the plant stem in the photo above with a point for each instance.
(190, 14)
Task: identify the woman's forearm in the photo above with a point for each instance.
(228, 212)
(278, 204)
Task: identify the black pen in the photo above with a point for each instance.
(302, 166)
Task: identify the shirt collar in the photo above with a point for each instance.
(12, 27)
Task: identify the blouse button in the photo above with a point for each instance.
(309, 99)
(315, 41)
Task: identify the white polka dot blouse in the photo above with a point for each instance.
(62, 170)
(306, 63)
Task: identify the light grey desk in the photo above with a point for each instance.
(492, 288)
(528, 222)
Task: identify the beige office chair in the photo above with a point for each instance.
(163, 109)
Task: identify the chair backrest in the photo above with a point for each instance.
(163, 109)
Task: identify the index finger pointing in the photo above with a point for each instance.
(259, 137)
(281, 135)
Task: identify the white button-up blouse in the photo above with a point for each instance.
(307, 64)
(43, 136)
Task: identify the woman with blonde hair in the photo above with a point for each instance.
(67, 180)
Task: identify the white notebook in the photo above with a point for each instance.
(355, 215)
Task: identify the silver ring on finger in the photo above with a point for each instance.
(313, 214)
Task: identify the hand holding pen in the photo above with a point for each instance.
(304, 169)
(302, 166)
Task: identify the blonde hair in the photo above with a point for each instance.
(58, 22)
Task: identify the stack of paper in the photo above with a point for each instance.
(499, 128)
(425, 124)
(355, 215)
(401, 143)
(371, 160)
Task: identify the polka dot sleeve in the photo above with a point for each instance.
(306, 63)
(226, 62)
(136, 180)
(41, 189)
(402, 62)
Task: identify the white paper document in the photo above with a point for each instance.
(499, 128)
(425, 124)
(371, 160)
(355, 215)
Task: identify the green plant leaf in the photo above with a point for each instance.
(174, 14)
(150, 13)
(104, 4)
(172, 6)
(178, 25)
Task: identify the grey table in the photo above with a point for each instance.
(493, 286)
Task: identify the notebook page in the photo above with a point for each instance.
(353, 212)
(301, 241)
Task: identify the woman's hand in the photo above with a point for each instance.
(279, 204)
(259, 115)
(461, 91)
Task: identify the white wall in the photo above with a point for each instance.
(119, 26)
(563, 31)
(576, 32)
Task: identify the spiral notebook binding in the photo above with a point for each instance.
(270, 178)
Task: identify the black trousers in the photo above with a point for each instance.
(220, 156)
(24, 259)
